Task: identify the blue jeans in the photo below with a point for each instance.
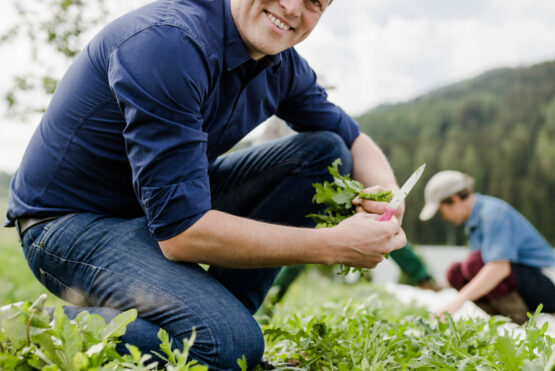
(106, 265)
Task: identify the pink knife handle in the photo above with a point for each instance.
(387, 215)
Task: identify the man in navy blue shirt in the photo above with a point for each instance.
(509, 269)
(125, 187)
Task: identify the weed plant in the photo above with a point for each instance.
(361, 327)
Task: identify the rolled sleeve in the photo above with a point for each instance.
(160, 79)
(306, 106)
(159, 205)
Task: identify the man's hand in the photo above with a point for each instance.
(452, 307)
(377, 207)
(489, 276)
(363, 240)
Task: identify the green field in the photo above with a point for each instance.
(17, 283)
(322, 324)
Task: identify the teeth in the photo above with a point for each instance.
(278, 23)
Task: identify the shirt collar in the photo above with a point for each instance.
(474, 218)
(235, 51)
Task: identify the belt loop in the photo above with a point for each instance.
(18, 229)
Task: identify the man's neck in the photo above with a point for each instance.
(469, 205)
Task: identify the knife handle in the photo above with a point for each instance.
(387, 215)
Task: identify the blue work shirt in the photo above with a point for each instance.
(148, 105)
(501, 233)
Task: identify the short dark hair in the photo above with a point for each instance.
(463, 194)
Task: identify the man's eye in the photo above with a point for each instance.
(315, 5)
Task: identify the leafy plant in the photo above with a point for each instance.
(30, 339)
(338, 196)
(361, 327)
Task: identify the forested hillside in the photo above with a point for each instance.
(498, 127)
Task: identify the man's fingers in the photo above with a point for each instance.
(399, 240)
(375, 207)
(367, 239)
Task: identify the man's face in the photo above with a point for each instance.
(453, 212)
(268, 27)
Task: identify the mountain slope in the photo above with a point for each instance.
(498, 127)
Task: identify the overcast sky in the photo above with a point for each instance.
(378, 51)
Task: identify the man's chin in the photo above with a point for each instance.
(272, 48)
(273, 51)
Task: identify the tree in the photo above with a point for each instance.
(55, 31)
(545, 148)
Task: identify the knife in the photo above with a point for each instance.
(400, 196)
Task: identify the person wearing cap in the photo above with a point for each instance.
(510, 269)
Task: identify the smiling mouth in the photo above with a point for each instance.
(279, 24)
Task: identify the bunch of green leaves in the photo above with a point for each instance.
(338, 197)
(30, 339)
(364, 328)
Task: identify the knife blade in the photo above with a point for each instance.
(403, 192)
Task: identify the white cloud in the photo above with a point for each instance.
(382, 51)
(378, 51)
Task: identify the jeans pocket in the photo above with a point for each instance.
(49, 229)
(31, 242)
(61, 290)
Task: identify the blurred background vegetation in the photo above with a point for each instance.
(498, 127)
(17, 283)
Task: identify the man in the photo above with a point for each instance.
(123, 189)
(506, 272)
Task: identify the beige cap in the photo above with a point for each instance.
(441, 186)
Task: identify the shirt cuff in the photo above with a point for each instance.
(172, 209)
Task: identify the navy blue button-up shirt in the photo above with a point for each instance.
(501, 233)
(153, 99)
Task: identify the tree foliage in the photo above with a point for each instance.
(55, 31)
(498, 127)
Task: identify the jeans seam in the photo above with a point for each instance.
(45, 275)
(51, 227)
(155, 286)
(30, 252)
(288, 161)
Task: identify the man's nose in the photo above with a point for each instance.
(292, 7)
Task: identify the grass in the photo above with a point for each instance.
(325, 325)
(17, 282)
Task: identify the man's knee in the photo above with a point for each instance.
(231, 342)
(455, 276)
(472, 265)
(331, 146)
